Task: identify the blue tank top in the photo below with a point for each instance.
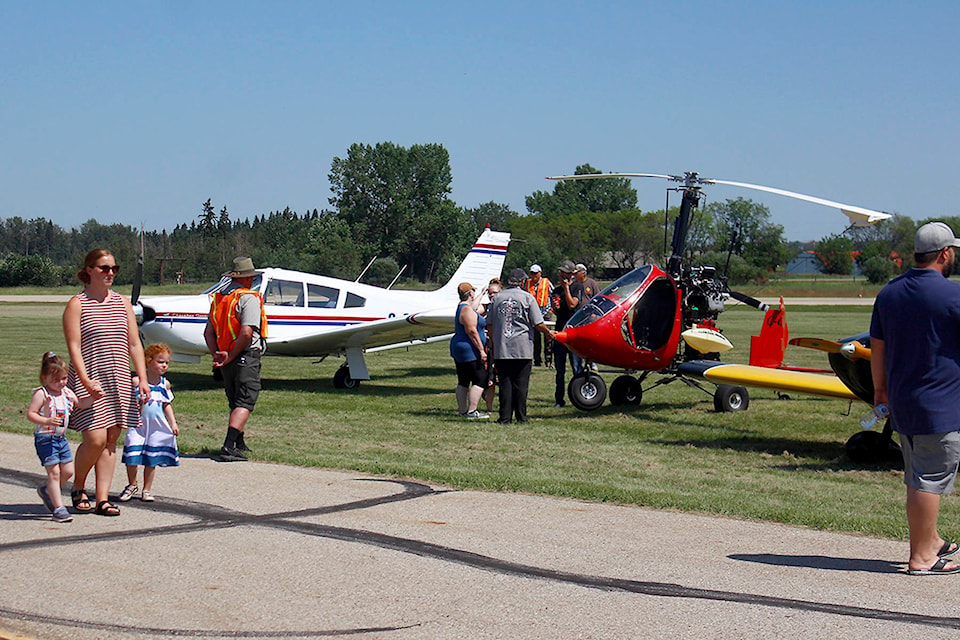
(461, 349)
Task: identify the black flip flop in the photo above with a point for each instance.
(936, 570)
(946, 551)
(107, 508)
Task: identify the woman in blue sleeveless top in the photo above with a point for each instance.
(467, 350)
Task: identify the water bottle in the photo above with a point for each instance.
(874, 416)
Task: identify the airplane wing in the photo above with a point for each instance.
(785, 380)
(410, 329)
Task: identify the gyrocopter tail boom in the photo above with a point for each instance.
(859, 216)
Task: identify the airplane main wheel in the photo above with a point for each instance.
(731, 398)
(342, 379)
(587, 391)
(625, 390)
(872, 447)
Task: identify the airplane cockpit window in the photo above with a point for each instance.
(284, 293)
(320, 297)
(354, 301)
(225, 282)
(607, 300)
(592, 311)
(653, 315)
(626, 285)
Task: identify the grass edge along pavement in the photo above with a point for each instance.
(779, 461)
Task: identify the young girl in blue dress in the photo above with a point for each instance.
(50, 409)
(154, 443)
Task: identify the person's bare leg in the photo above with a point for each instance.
(474, 395)
(87, 455)
(238, 418)
(149, 473)
(106, 464)
(923, 510)
(462, 394)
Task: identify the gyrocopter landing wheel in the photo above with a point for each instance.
(342, 379)
(625, 390)
(587, 391)
(731, 398)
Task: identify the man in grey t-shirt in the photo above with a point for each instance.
(512, 319)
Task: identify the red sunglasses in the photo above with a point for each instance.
(105, 268)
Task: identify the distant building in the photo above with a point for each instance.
(807, 263)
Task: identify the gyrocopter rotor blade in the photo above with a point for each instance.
(594, 176)
(859, 216)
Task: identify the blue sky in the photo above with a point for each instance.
(137, 112)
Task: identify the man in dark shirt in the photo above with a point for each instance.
(915, 361)
(567, 297)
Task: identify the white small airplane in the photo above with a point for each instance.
(316, 316)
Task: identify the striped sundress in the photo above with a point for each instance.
(105, 347)
(153, 444)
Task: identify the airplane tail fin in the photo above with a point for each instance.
(485, 261)
(767, 349)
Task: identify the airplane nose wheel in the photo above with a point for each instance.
(731, 398)
(342, 379)
(587, 391)
(625, 390)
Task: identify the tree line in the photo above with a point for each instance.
(393, 203)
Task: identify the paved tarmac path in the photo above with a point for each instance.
(252, 550)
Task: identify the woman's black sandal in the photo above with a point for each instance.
(80, 500)
(107, 508)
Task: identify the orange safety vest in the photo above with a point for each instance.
(226, 323)
(540, 291)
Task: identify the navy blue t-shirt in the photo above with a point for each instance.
(917, 315)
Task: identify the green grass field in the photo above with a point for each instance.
(782, 460)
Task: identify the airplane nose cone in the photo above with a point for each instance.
(561, 337)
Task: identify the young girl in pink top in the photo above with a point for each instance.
(50, 410)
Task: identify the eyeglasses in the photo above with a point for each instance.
(106, 268)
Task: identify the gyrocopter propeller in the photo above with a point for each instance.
(637, 323)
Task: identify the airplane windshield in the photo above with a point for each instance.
(225, 282)
(598, 307)
(609, 298)
(626, 285)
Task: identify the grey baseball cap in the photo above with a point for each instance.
(934, 236)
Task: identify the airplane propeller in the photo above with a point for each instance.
(859, 216)
(138, 275)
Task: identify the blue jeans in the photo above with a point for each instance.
(560, 353)
(52, 449)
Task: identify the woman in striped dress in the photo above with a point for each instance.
(102, 339)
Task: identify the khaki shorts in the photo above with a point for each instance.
(241, 380)
(930, 461)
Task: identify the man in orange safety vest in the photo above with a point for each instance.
(235, 335)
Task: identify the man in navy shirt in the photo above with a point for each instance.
(915, 342)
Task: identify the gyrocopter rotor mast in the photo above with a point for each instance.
(692, 195)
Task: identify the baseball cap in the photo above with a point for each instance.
(517, 276)
(934, 236)
(567, 266)
(580, 268)
(535, 269)
(464, 287)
